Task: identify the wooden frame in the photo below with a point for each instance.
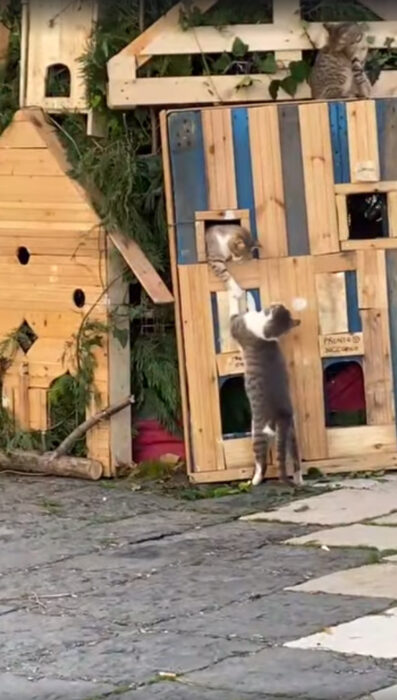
(285, 36)
(241, 215)
(350, 286)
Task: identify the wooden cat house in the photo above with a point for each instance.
(317, 185)
(58, 269)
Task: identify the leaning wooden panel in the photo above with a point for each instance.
(346, 442)
(268, 181)
(284, 280)
(319, 178)
(205, 419)
(378, 377)
(363, 141)
(371, 279)
(219, 158)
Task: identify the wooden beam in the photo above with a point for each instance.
(142, 269)
(127, 93)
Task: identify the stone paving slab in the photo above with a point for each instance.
(293, 673)
(182, 691)
(387, 520)
(377, 580)
(373, 635)
(340, 507)
(275, 618)
(13, 687)
(377, 537)
(384, 694)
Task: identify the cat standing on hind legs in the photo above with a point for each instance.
(267, 385)
(339, 68)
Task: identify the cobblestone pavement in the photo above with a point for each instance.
(110, 593)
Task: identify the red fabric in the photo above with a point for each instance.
(345, 391)
(153, 441)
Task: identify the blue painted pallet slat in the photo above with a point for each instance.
(391, 274)
(215, 321)
(353, 312)
(386, 116)
(293, 178)
(189, 179)
(243, 165)
(340, 142)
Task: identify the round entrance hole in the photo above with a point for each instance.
(79, 298)
(23, 255)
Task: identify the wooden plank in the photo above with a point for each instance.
(364, 187)
(223, 215)
(24, 212)
(230, 363)
(343, 225)
(268, 181)
(175, 287)
(219, 159)
(392, 213)
(86, 246)
(377, 367)
(188, 179)
(239, 455)
(363, 142)
(371, 462)
(119, 360)
(332, 303)
(371, 279)
(24, 412)
(38, 409)
(319, 178)
(205, 418)
(341, 345)
(142, 268)
(52, 189)
(338, 262)
(21, 135)
(391, 269)
(371, 244)
(245, 273)
(294, 189)
(24, 161)
(386, 112)
(346, 442)
(283, 280)
(227, 343)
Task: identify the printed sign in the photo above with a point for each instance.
(341, 345)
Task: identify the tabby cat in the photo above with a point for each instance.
(339, 68)
(228, 243)
(267, 386)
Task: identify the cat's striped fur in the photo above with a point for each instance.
(339, 68)
(267, 386)
(228, 243)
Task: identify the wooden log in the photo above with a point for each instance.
(34, 463)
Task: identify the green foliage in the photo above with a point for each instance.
(9, 72)
(227, 12)
(336, 11)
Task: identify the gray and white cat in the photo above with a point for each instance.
(228, 243)
(339, 68)
(267, 386)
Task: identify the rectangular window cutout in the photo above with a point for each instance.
(367, 216)
(205, 219)
(344, 392)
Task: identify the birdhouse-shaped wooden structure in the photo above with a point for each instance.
(55, 36)
(57, 269)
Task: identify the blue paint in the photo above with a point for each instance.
(189, 179)
(293, 179)
(257, 297)
(391, 275)
(215, 321)
(353, 313)
(243, 165)
(339, 140)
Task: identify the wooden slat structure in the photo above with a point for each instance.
(57, 268)
(259, 165)
(285, 36)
